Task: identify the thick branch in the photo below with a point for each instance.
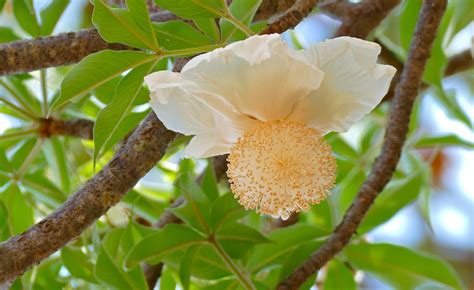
(143, 149)
(68, 48)
(384, 166)
(364, 17)
(77, 128)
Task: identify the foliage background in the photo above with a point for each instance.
(423, 218)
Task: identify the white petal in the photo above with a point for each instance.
(353, 84)
(261, 77)
(183, 112)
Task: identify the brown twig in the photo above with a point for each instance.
(384, 166)
(68, 48)
(77, 128)
(294, 15)
(141, 152)
(459, 62)
(364, 17)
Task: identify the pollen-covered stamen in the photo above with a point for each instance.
(281, 167)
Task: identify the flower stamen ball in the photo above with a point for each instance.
(280, 167)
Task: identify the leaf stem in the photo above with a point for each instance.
(17, 109)
(31, 156)
(237, 23)
(14, 135)
(241, 276)
(44, 91)
(17, 97)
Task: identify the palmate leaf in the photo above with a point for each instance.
(338, 276)
(285, 240)
(154, 247)
(209, 27)
(108, 268)
(193, 9)
(24, 12)
(95, 70)
(16, 203)
(131, 27)
(398, 195)
(78, 264)
(178, 35)
(237, 238)
(402, 267)
(51, 14)
(112, 123)
(243, 10)
(443, 141)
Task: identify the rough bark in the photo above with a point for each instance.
(384, 166)
(80, 128)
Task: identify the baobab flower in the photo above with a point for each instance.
(269, 106)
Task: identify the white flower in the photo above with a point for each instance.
(269, 107)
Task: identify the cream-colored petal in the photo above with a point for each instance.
(261, 77)
(352, 86)
(183, 112)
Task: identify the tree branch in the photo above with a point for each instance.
(459, 62)
(362, 18)
(77, 128)
(384, 166)
(143, 149)
(294, 15)
(68, 48)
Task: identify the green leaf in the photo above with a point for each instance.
(243, 10)
(110, 124)
(43, 189)
(4, 229)
(51, 14)
(225, 209)
(178, 35)
(398, 195)
(196, 210)
(209, 27)
(56, 157)
(285, 241)
(341, 147)
(95, 70)
(209, 183)
(294, 260)
(25, 15)
(139, 12)
(15, 203)
(338, 276)
(186, 266)
(237, 238)
(443, 141)
(119, 25)
(7, 35)
(193, 9)
(2, 3)
(451, 105)
(402, 267)
(154, 247)
(167, 280)
(109, 271)
(78, 264)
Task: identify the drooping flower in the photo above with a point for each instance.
(269, 106)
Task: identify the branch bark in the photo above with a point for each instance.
(68, 48)
(80, 128)
(362, 18)
(299, 10)
(384, 166)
